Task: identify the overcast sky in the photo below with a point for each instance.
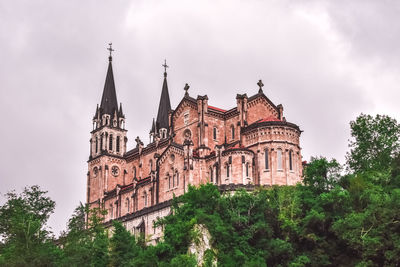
(325, 61)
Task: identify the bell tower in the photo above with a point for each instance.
(109, 134)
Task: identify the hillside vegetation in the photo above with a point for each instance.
(340, 216)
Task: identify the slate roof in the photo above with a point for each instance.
(109, 103)
(164, 106)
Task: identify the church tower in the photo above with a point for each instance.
(109, 134)
(160, 128)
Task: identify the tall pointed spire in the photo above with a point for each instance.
(165, 104)
(109, 103)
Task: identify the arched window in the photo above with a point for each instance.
(173, 179)
(151, 165)
(290, 160)
(110, 146)
(266, 159)
(145, 198)
(101, 142)
(169, 181)
(111, 211)
(215, 133)
(233, 132)
(227, 170)
(118, 141)
(177, 178)
(97, 144)
(127, 204)
(247, 169)
(211, 175)
(134, 172)
(279, 158)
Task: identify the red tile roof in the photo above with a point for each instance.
(270, 118)
(218, 109)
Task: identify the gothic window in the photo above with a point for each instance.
(233, 132)
(247, 169)
(290, 160)
(215, 133)
(211, 175)
(279, 159)
(110, 145)
(266, 159)
(118, 141)
(187, 134)
(97, 144)
(186, 118)
(95, 171)
(101, 142)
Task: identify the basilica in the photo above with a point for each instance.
(249, 145)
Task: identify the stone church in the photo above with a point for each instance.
(246, 146)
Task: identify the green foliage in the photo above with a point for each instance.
(376, 142)
(330, 220)
(26, 241)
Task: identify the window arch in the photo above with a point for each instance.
(266, 154)
(118, 145)
(101, 142)
(279, 158)
(127, 204)
(233, 131)
(110, 146)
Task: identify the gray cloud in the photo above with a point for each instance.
(322, 60)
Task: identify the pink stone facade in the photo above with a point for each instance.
(249, 144)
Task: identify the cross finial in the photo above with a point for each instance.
(186, 88)
(165, 67)
(111, 50)
(260, 84)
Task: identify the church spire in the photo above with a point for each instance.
(165, 104)
(109, 103)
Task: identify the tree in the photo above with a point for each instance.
(23, 220)
(123, 246)
(376, 142)
(322, 174)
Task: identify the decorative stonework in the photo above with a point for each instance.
(253, 145)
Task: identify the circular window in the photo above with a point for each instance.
(115, 170)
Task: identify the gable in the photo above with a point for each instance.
(260, 107)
